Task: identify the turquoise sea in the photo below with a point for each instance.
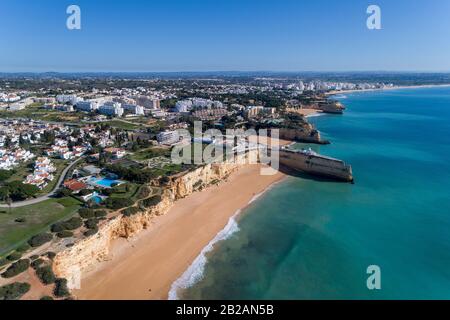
(307, 239)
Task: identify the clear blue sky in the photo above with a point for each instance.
(223, 35)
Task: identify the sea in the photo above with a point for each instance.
(310, 239)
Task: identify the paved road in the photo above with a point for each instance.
(47, 196)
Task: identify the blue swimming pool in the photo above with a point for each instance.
(97, 199)
(105, 182)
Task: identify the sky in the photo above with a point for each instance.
(224, 35)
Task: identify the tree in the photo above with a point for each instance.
(61, 289)
(63, 192)
(5, 174)
(16, 268)
(46, 275)
(40, 239)
(14, 290)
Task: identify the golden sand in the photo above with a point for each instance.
(145, 267)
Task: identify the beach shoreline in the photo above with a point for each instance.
(332, 93)
(146, 266)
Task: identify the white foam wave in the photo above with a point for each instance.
(195, 271)
(315, 115)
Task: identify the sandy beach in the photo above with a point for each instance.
(305, 111)
(145, 267)
(330, 93)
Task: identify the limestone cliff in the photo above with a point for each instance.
(305, 133)
(86, 253)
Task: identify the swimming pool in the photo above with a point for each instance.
(97, 199)
(104, 182)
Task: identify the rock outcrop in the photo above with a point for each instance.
(305, 133)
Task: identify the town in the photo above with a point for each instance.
(78, 152)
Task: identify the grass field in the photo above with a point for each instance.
(37, 113)
(150, 153)
(123, 193)
(123, 125)
(38, 218)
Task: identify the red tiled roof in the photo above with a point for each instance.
(74, 185)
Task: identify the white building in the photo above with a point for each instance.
(168, 137)
(111, 109)
(87, 106)
(183, 106)
(64, 98)
(134, 109)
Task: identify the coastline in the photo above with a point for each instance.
(332, 93)
(146, 267)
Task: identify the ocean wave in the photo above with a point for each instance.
(195, 271)
(315, 115)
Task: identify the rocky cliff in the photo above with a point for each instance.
(83, 256)
(305, 133)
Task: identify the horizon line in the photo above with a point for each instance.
(231, 71)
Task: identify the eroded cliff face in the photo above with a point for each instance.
(71, 263)
(306, 133)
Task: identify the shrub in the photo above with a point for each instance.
(23, 248)
(152, 201)
(14, 256)
(37, 263)
(3, 262)
(90, 232)
(57, 227)
(91, 223)
(108, 192)
(101, 213)
(61, 289)
(20, 220)
(64, 234)
(144, 192)
(85, 192)
(46, 275)
(63, 193)
(34, 257)
(46, 298)
(73, 223)
(86, 213)
(51, 255)
(14, 290)
(16, 268)
(130, 211)
(40, 239)
(118, 203)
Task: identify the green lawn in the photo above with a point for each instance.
(149, 153)
(38, 218)
(123, 125)
(123, 193)
(37, 113)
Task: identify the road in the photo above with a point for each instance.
(47, 196)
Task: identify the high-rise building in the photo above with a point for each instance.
(134, 109)
(111, 109)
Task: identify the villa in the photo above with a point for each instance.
(116, 153)
(43, 169)
(74, 185)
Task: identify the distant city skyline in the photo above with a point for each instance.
(221, 36)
